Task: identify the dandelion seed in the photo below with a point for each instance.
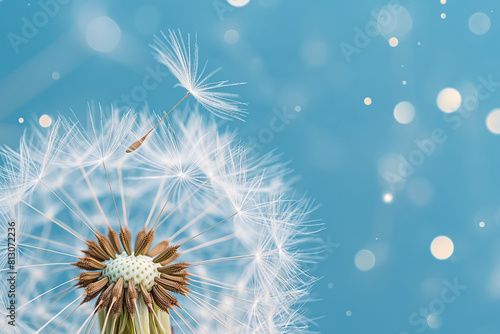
(182, 62)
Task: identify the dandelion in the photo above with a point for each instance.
(182, 62)
(191, 234)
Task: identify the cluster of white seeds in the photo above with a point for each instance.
(139, 269)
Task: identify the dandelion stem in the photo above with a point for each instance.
(139, 142)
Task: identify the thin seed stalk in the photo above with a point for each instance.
(126, 325)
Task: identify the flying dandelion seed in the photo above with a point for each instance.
(190, 234)
(182, 62)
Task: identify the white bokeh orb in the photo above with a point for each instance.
(103, 34)
(479, 23)
(442, 247)
(449, 100)
(493, 121)
(231, 36)
(404, 112)
(238, 3)
(364, 260)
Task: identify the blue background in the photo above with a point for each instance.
(290, 53)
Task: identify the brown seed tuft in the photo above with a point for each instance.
(143, 246)
(115, 241)
(168, 253)
(175, 287)
(175, 269)
(86, 278)
(160, 247)
(88, 263)
(105, 245)
(163, 298)
(126, 238)
(95, 251)
(96, 287)
(117, 295)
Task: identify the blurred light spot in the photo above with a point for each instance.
(21, 120)
(493, 121)
(298, 108)
(433, 321)
(443, 15)
(393, 41)
(148, 20)
(442, 247)
(238, 3)
(481, 224)
(314, 52)
(56, 75)
(449, 100)
(419, 43)
(348, 313)
(404, 112)
(479, 23)
(231, 36)
(103, 34)
(364, 260)
(330, 285)
(387, 198)
(443, 2)
(368, 101)
(45, 121)
(420, 191)
(404, 82)
(393, 23)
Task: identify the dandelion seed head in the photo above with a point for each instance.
(240, 227)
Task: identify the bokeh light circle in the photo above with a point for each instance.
(238, 3)
(442, 247)
(45, 121)
(364, 260)
(367, 101)
(449, 100)
(387, 197)
(231, 36)
(493, 121)
(394, 23)
(393, 41)
(433, 321)
(404, 112)
(479, 23)
(103, 34)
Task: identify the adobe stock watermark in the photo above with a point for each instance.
(30, 26)
(139, 93)
(222, 7)
(419, 320)
(364, 36)
(426, 147)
